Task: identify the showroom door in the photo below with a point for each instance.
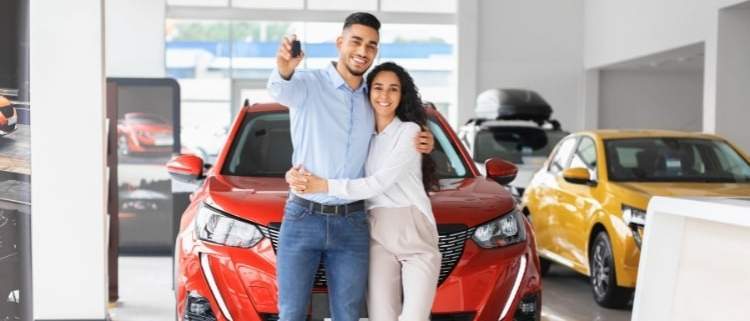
(252, 90)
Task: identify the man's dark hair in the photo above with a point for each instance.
(362, 18)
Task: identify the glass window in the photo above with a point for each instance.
(207, 55)
(585, 156)
(674, 160)
(348, 5)
(428, 52)
(562, 155)
(433, 6)
(263, 147)
(448, 161)
(513, 143)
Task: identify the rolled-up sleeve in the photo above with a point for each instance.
(290, 93)
(396, 165)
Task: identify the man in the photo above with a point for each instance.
(331, 124)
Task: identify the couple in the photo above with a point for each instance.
(354, 141)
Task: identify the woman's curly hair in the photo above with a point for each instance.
(410, 108)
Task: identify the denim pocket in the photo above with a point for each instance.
(359, 220)
(295, 212)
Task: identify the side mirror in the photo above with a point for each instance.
(578, 175)
(500, 171)
(185, 168)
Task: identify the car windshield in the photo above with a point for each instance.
(674, 160)
(513, 143)
(263, 147)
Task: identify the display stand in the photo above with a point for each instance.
(695, 255)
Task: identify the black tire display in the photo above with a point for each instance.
(603, 279)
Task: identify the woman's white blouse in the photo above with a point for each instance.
(393, 170)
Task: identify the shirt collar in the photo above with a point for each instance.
(391, 128)
(338, 81)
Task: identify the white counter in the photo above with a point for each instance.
(695, 260)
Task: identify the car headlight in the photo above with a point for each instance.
(506, 230)
(632, 215)
(212, 226)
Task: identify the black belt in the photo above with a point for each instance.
(342, 209)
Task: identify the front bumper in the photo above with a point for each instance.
(240, 284)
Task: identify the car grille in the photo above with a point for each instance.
(451, 244)
(434, 317)
(452, 317)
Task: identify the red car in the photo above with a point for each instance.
(143, 133)
(225, 250)
(8, 117)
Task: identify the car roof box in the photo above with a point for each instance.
(512, 104)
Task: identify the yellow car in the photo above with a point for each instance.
(588, 203)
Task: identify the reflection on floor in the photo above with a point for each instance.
(567, 297)
(146, 294)
(15, 151)
(145, 290)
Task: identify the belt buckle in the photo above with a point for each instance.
(324, 209)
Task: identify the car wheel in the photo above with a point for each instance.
(122, 145)
(603, 279)
(544, 265)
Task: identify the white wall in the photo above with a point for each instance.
(468, 36)
(651, 99)
(67, 160)
(135, 38)
(619, 31)
(622, 30)
(534, 44)
(732, 110)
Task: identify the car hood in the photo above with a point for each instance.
(689, 189)
(469, 202)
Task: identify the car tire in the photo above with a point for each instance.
(603, 278)
(544, 265)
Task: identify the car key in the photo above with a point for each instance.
(296, 48)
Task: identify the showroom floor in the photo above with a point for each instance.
(146, 294)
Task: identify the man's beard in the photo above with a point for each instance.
(356, 73)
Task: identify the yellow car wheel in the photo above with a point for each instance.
(603, 279)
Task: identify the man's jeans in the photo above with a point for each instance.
(342, 242)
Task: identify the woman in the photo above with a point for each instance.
(404, 254)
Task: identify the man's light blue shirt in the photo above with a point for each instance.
(331, 124)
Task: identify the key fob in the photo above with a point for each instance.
(296, 48)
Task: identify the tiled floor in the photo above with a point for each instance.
(145, 290)
(567, 297)
(146, 294)
(15, 151)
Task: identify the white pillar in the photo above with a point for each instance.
(135, 38)
(733, 75)
(468, 43)
(589, 117)
(68, 185)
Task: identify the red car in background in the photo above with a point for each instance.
(225, 251)
(143, 133)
